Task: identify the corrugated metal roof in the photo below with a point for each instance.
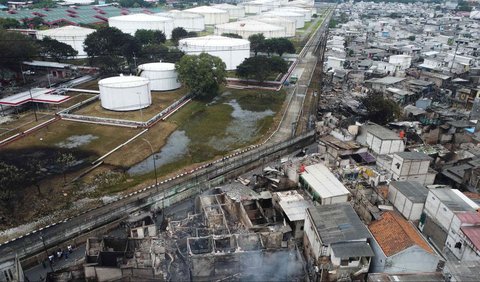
(382, 132)
(323, 182)
(352, 249)
(449, 198)
(338, 223)
(414, 191)
(473, 234)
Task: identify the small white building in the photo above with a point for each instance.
(294, 205)
(382, 140)
(408, 198)
(334, 63)
(412, 166)
(399, 247)
(381, 84)
(323, 186)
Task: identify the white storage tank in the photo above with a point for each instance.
(185, 20)
(162, 76)
(252, 8)
(232, 51)
(283, 14)
(235, 12)
(246, 28)
(307, 13)
(131, 23)
(212, 15)
(289, 25)
(125, 93)
(72, 35)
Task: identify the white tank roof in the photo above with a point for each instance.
(141, 17)
(123, 81)
(206, 9)
(214, 40)
(284, 13)
(69, 30)
(227, 6)
(179, 14)
(249, 25)
(271, 19)
(157, 66)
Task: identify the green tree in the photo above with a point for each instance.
(279, 46)
(231, 35)
(56, 50)
(201, 74)
(411, 38)
(146, 36)
(261, 67)
(108, 47)
(160, 52)
(15, 49)
(379, 109)
(9, 23)
(257, 42)
(178, 33)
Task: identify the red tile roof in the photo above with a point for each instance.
(394, 234)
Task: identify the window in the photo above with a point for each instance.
(301, 228)
(344, 262)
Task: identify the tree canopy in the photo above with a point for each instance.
(146, 36)
(201, 74)
(280, 46)
(261, 67)
(257, 42)
(159, 52)
(380, 109)
(180, 33)
(16, 48)
(108, 48)
(9, 23)
(231, 35)
(56, 50)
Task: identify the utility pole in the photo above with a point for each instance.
(34, 110)
(46, 253)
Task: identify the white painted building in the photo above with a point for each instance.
(408, 198)
(412, 166)
(323, 185)
(294, 206)
(382, 140)
(402, 62)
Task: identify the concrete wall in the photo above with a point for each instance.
(377, 265)
(310, 234)
(334, 200)
(439, 211)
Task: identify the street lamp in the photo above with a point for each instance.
(154, 162)
(46, 253)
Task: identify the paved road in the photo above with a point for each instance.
(296, 94)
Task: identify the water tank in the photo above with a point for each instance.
(71, 35)
(246, 28)
(212, 15)
(125, 93)
(162, 76)
(185, 20)
(232, 51)
(131, 23)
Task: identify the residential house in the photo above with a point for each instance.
(293, 204)
(399, 247)
(382, 140)
(337, 242)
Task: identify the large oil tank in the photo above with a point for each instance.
(125, 93)
(162, 76)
